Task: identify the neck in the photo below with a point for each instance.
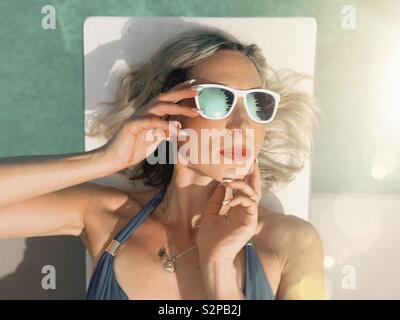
(185, 200)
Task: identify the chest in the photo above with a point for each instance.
(141, 274)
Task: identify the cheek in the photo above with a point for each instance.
(198, 123)
(259, 136)
(195, 124)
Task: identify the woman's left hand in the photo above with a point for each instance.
(221, 237)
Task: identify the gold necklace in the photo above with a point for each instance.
(169, 261)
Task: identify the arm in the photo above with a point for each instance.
(48, 196)
(37, 194)
(23, 178)
(303, 272)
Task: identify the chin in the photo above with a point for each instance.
(219, 172)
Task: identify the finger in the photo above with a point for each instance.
(168, 108)
(255, 180)
(215, 202)
(176, 95)
(244, 188)
(137, 125)
(250, 205)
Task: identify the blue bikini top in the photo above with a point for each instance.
(104, 285)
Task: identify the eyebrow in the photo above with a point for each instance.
(258, 87)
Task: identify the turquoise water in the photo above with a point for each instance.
(41, 78)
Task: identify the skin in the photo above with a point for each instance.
(289, 248)
(243, 76)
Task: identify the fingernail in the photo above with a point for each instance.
(196, 110)
(256, 160)
(228, 180)
(190, 81)
(195, 88)
(226, 202)
(178, 124)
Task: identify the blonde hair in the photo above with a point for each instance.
(289, 137)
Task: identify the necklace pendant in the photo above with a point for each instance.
(168, 263)
(169, 266)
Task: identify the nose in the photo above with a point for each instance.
(238, 119)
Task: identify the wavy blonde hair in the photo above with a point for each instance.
(289, 137)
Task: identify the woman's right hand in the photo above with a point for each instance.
(131, 143)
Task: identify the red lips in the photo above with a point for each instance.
(238, 153)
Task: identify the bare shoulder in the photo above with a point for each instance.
(111, 200)
(110, 210)
(110, 205)
(285, 233)
(297, 245)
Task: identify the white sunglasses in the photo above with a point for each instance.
(217, 102)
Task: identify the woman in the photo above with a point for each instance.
(199, 232)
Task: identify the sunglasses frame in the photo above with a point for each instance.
(236, 94)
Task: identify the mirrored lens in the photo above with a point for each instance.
(261, 105)
(215, 102)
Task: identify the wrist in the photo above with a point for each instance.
(217, 262)
(220, 280)
(218, 267)
(100, 160)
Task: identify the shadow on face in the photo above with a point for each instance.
(236, 132)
